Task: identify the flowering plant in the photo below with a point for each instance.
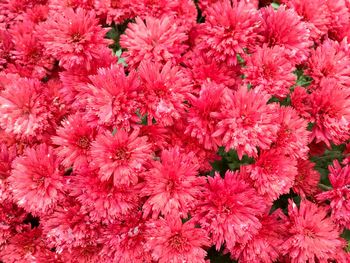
(174, 131)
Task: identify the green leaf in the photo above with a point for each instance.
(275, 5)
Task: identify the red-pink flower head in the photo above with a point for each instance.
(74, 139)
(329, 61)
(264, 247)
(6, 46)
(163, 92)
(205, 4)
(113, 10)
(29, 55)
(203, 69)
(339, 18)
(228, 29)
(68, 227)
(301, 102)
(315, 13)
(27, 247)
(36, 182)
(201, 123)
(246, 122)
(111, 98)
(273, 174)
(24, 108)
(57, 6)
(172, 185)
(270, 71)
(101, 199)
(7, 155)
(157, 40)
(230, 210)
(120, 156)
(283, 27)
(307, 179)
(73, 37)
(330, 113)
(339, 196)
(125, 240)
(170, 240)
(293, 136)
(312, 236)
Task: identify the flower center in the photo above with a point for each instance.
(178, 242)
(76, 37)
(84, 142)
(122, 154)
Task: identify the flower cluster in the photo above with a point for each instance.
(141, 131)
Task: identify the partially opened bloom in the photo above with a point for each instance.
(283, 27)
(24, 108)
(36, 182)
(230, 210)
(272, 174)
(73, 37)
(246, 122)
(270, 71)
(164, 89)
(120, 156)
(172, 185)
(158, 40)
(339, 196)
(228, 29)
(74, 139)
(312, 236)
(307, 179)
(170, 240)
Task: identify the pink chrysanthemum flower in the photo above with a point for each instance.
(74, 139)
(246, 122)
(228, 29)
(331, 113)
(339, 18)
(230, 210)
(125, 240)
(28, 247)
(73, 37)
(24, 109)
(120, 156)
(29, 56)
(339, 196)
(170, 240)
(36, 182)
(268, 70)
(315, 13)
(68, 227)
(201, 124)
(157, 40)
(312, 236)
(301, 102)
(273, 174)
(111, 98)
(203, 69)
(293, 136)
(7, 155)
(329, 61)
(163, 92)
(6, 46)
(307, 179)
(205, 4)
(102, 200)
(87, 253)
(264, 247)
(172, 185)
(113, 10)
(61, 5)
(283, 27)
